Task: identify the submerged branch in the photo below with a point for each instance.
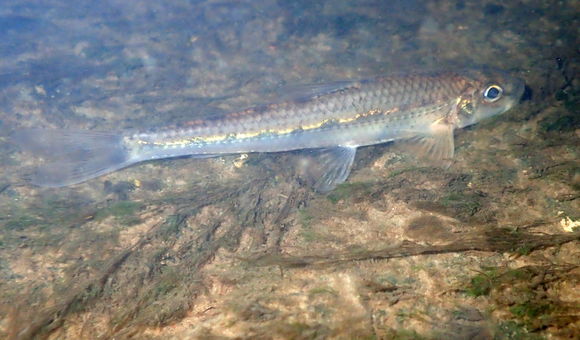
(495, 240)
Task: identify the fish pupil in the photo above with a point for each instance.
(492, 93)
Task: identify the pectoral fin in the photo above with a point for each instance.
(324, 169)
(436, 145)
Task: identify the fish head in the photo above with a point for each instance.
(488, 93)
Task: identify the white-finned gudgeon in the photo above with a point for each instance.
(334, 118)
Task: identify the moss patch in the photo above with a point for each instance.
(525, 294)
(125, 212)
(348, 191)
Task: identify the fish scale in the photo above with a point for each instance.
(334, 118)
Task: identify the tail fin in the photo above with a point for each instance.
(72, 156)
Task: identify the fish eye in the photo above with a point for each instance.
(492, 93)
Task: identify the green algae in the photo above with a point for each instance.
(481, 284)
(125, 212)
(512, 330)
(522, 293)
(465, 203)
(346, 191)
(322, 291)
(418, 169)
(405, 334)
(22, 222)
(306, 220)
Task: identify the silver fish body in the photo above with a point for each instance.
(335, 118)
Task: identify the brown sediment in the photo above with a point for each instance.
(403, 250)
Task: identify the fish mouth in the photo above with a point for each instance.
(514, 91)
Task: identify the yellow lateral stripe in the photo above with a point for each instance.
(253, 134)
(315, 125)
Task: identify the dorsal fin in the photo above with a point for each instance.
(305, 92)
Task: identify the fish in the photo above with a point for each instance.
(332, 120)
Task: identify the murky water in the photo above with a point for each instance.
(239, 247)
